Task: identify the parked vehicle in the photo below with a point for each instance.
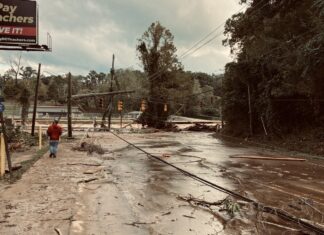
(134, 115)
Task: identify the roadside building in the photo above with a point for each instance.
(54, 111)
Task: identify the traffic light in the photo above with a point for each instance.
(101, 102)
(120, 105)
(143, 105)
(165, 108)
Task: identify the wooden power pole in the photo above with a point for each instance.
(112, 74)
(35, 101)
(69, 103)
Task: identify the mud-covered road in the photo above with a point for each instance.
(126, 192)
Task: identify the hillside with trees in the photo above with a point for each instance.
(180, 86)
(278, 67)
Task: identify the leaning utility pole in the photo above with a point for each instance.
(35, 101)
(69, 103)
(112, 74)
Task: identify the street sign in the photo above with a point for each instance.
(2, 107)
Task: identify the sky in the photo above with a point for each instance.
(86, 33)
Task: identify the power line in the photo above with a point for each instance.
(201, 40)
(214, 30)
(155, 75)
(259, 206)
(217, 35)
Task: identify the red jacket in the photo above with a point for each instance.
(54, 131)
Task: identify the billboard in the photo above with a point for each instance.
(18, 22)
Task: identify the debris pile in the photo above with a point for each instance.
(203, 127)
(89, 148)
(171, 127)
(19, 140)
(227, 204)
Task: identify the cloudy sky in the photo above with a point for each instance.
(87, 32)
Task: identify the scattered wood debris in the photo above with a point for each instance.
(58, 232)
(136, 224)
(269, 158)
(189, 216)
(166, 155)
(203, 128)
(171, 127)
(83, 164)
(279, 226)
(19, 140)
(198, 202)
(15, 146)
(89, 148)
(87, 180)
(93, 171)
(166, 213)
(227, 204)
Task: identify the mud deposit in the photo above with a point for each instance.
(126, 192)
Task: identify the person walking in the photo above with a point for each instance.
(54, 132)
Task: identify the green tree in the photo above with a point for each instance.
(57, 90)
(24, 100)
(279, 50)
(156, 52)
(130, 79)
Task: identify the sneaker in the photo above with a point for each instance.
(51, 155)
(54, 155)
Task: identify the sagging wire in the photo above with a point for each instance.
(258, 206)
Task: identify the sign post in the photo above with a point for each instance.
(40, 137)
(2, 156)
(5, 140)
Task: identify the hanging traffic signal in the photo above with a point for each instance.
(165, 108)
(101, 102)
(143, 105)
(120, 105)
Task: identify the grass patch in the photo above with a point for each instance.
(25, 165)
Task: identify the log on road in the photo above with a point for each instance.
(269, 158)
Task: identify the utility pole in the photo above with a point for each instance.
(221, 104)
(250, 110)
(112, 74)
(35, 101)
(69, 103)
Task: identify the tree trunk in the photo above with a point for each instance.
(24, 113)
(106, 114)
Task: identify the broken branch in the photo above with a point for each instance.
(87, 180)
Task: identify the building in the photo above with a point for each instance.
(54, 111)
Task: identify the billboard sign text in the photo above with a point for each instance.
(18, 22)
